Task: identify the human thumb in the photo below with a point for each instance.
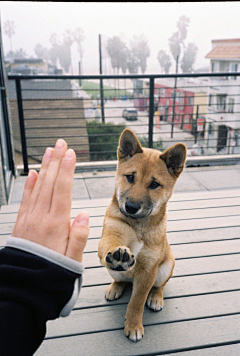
(78, 237)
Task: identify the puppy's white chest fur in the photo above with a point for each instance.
(136, 247)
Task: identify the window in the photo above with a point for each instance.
(221, 102)
(223, 66)
(190, 100)
(161, 92)
(210, 129)
(231, 105)
(236, 139)
(234, 68)
(210, 100)
(214, 67)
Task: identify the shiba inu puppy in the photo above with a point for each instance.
(134, 246)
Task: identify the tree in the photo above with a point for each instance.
(185, 55)
(124, 63)
(132, 63)
(178, 40)
(189, 58)
(65, 50)
(54, 50)
(65, 56)
(174, 45)
(140, 51)
(115, 48)
(9, 28)
(164, 61)
(78, 37)
(41, 52)
(20, 53)
(182, 25)
(61, 49)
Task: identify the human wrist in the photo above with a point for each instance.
(46, 253)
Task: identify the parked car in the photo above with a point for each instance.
(130, 114)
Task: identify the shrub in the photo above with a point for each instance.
(158, 145)
(103, 140)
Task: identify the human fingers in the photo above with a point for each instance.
(78, 237)
(47, 188)
(62, 195)
(28, 188)
(37, 187)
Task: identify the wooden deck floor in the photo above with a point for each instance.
(201, 315)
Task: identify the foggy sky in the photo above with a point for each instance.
(36, 21)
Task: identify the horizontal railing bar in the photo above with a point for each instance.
(214, 160)
(121, 76)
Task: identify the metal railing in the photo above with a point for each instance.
(203, 111)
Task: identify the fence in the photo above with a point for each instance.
(201, 110)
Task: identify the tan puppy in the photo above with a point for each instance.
(134, 246)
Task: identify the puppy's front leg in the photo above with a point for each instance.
(143, 282)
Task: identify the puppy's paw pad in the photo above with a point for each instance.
(120, 259)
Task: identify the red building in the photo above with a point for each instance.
(184, 100)
(183, 110)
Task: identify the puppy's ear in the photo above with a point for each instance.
(129, 145)
(175, 158)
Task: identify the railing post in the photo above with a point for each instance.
(22, 126)
(101, 81)
(151, 112)
(174, 99)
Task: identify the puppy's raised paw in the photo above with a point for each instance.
(121, 259)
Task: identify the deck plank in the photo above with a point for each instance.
(175, 309)
(201, 315)
(158, 339)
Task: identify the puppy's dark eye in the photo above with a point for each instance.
(154, 185)
(130, 178)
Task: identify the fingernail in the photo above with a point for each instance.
(48, 152)
(59, 144)
(83, 219)
(69, 154)
(31, 174)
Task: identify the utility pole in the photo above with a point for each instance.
(174, 98)
(101, 81)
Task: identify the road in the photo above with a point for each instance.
(113, 113)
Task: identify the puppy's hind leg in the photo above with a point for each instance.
(115, 290)
(155, 299)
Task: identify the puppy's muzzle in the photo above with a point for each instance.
(132, 208)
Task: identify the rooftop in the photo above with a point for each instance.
(224, 52)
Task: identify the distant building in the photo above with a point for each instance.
(52, 109)
(182, 108)
(223, 109)
(27, 66)
(186, 102)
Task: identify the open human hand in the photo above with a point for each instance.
(44, 213)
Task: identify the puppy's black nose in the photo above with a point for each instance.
(132, 208)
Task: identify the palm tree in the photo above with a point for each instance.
(115, 48)
(78, 36)
(9, 28)
(139, 47)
